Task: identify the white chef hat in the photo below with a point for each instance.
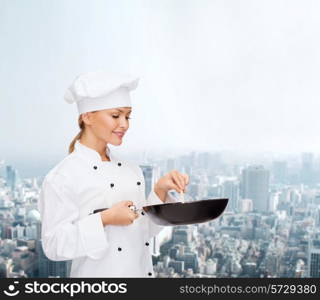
(101, 90)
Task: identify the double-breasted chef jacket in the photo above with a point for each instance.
(71, 191)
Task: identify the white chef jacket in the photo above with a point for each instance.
(76, 186)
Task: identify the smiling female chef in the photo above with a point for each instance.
(114, 242)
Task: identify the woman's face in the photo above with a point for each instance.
(110, 125)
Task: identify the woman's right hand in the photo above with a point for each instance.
(119, 214)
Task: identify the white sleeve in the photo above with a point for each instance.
(64, 236)
(152, 199)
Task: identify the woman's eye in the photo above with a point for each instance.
(116, 117)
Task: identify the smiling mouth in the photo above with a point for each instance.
(119, 134)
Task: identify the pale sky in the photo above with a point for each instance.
(214, 75)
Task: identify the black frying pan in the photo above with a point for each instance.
(183, 213)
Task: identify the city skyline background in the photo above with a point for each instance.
(215, 76)
(270, 227)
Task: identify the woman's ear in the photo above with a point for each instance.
(87, 118)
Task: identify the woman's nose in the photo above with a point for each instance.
(124, 123)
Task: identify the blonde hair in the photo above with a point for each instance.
(78, 136)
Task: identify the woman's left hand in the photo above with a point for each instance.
(173, 180)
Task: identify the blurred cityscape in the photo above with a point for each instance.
(271, 227)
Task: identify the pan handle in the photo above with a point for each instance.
(135, 209)
(98, 210)
(132, 207)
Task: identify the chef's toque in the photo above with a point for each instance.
(101, 90)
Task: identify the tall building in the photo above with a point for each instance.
(314, 258)
(181, 234)
(230, 190)
(246, 205)
(307, 168)
(149, 178)
(211, 266)
(11, 177)
(279, 171)
(2, 162)
(178, 266)
(191, 261)
(255, 186)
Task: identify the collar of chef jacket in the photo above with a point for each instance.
(91, 155)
